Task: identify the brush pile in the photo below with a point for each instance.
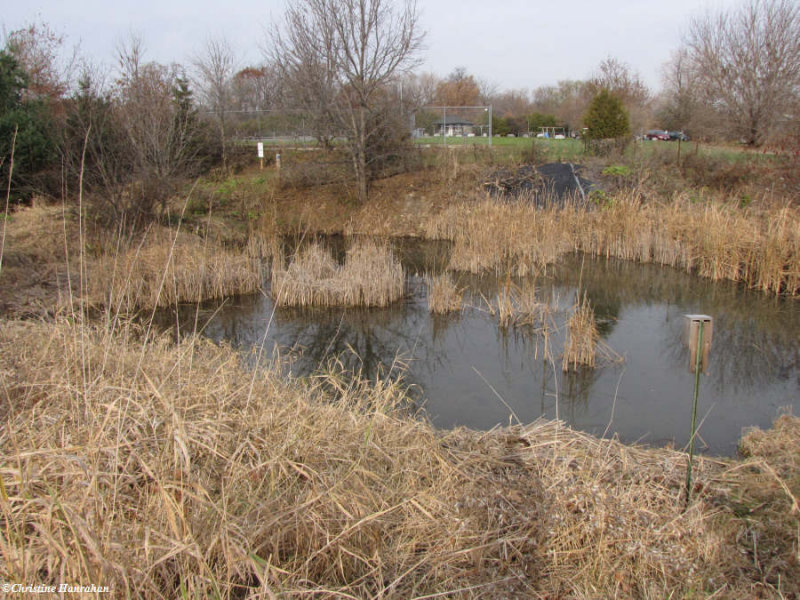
(508, 182)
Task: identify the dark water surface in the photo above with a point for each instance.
(465, 370)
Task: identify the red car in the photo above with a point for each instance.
(657, 134)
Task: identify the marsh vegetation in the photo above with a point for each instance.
(166, 465)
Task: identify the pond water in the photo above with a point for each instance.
(465, 370)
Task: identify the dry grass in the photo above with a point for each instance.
(759, 246)
(582, 337)
(487, 235)
(167, 471)
(167, 267)
(164, 471)
(444, 295)
(519, 305)
(35, 257)
(371, 276)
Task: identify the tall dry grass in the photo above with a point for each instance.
(164, 470)
(166, 267)
(444, 295)
(580, 349)
(184, 473)
(759, 246)
(487, 235)
(370, 276)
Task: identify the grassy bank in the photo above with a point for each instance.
(167, 470)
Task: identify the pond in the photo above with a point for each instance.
(463, 369)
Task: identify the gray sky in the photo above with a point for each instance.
(512, 43)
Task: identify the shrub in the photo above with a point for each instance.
(606, 119)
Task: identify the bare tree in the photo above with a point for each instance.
(39, 50)
(459, 89)
(747, 64)
(348, 51)
(568, 101)
(151, 108)
(309, 80)
(679, 105)
(214, 71)
(256, 88)
(487, 90)
(419, 89)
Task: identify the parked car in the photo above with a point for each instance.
(678, 135)
(657, 134)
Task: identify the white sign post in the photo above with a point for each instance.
(261, 154)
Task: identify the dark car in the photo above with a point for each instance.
(657, 134)
(678, 135)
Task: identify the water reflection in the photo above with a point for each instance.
(473, 373)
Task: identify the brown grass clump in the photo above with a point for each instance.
(520, 306)
(167, 267)
(169, 471)
(582, 337)
(444, 296)
(165, 470)
(766, 498)
(371, 276)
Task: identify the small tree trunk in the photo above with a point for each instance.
(361, 167)
(223, 142)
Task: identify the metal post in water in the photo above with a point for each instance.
(699, 341)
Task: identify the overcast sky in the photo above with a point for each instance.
(512, 43)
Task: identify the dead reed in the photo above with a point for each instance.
(517, 306)
(371, 276)
(444, 296)
(165, 470)
(165, 267)
(582, 336)
(759, 246)
(487, 235)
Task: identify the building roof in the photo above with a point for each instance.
(453, 121)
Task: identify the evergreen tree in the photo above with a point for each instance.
(606, 118)
(31, 119)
